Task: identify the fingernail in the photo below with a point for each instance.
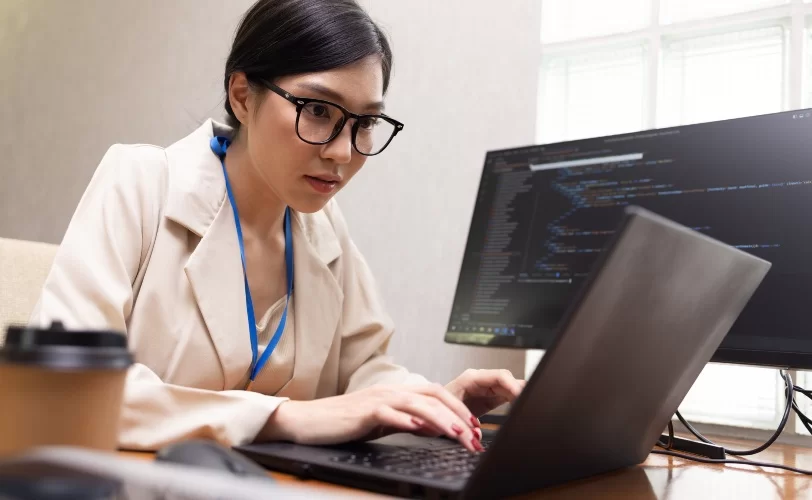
(416, 421)
(456, 428)
(477, 445)
(478, 433)
(474, 421)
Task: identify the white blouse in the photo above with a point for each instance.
(279, 369)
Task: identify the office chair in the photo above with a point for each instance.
(24, 265)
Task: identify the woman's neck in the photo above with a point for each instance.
(261, 211)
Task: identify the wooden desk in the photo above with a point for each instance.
(660, 477)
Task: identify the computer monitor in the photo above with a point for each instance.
(544, 213)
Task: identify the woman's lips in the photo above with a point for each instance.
(323, 185)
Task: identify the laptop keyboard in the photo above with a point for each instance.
(449, 464)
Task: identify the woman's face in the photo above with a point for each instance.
(301, 175)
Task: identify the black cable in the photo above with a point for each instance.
(730, 461)
(803, 391)
(692, 430)
(791, 406)
(800, 414)
(668, 444)
(790, 395)
(804, 419)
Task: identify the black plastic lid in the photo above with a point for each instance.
(59, 348)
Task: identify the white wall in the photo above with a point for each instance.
(464, 82)
(80, 75)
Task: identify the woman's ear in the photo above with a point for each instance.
(239, 96)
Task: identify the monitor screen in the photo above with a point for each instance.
(544, 213)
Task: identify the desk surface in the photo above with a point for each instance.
(659, 477)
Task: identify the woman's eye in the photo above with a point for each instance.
(368, 122)
(318, 110)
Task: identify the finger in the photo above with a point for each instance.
(501, 382)
(490, 397)
(469, 437)
(500, 395)
(429, 430)
(452, 402)
(506, 380)
(435, 413)
(389, 417)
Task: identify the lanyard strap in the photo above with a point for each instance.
(219, 145)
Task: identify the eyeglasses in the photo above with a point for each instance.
(319, 122)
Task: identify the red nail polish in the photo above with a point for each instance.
(478, 433)
(456, 428)
(477, 445)
(474, 421)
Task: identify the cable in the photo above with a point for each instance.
(790, 394)
(791, 406)
(729, 461)
(803, 391)
(692, 430)
(668, 444)
(804, 419)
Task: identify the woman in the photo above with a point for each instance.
(250, 312)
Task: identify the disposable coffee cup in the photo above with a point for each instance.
(61, 387)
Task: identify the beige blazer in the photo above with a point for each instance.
(152, 250)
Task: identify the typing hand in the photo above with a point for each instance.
(373, 412)
(484, 390)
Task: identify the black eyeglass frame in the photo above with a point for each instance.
(301, 102)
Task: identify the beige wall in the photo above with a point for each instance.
(80, 75)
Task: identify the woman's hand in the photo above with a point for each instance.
(374, 412)
(484, 390)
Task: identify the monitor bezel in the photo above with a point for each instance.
(729, 355)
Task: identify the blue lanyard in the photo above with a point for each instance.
(219, 145)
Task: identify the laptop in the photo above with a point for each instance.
(655, 307)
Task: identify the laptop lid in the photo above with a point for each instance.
(656, 307)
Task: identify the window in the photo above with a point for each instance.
(722, 76)
(572, 106)
(671, 62)
(675, 11)
(807, 101)
(573, 19)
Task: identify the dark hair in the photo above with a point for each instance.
(287, 37)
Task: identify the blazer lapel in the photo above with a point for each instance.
(215, 273)
(196, 200)
(318, 304)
